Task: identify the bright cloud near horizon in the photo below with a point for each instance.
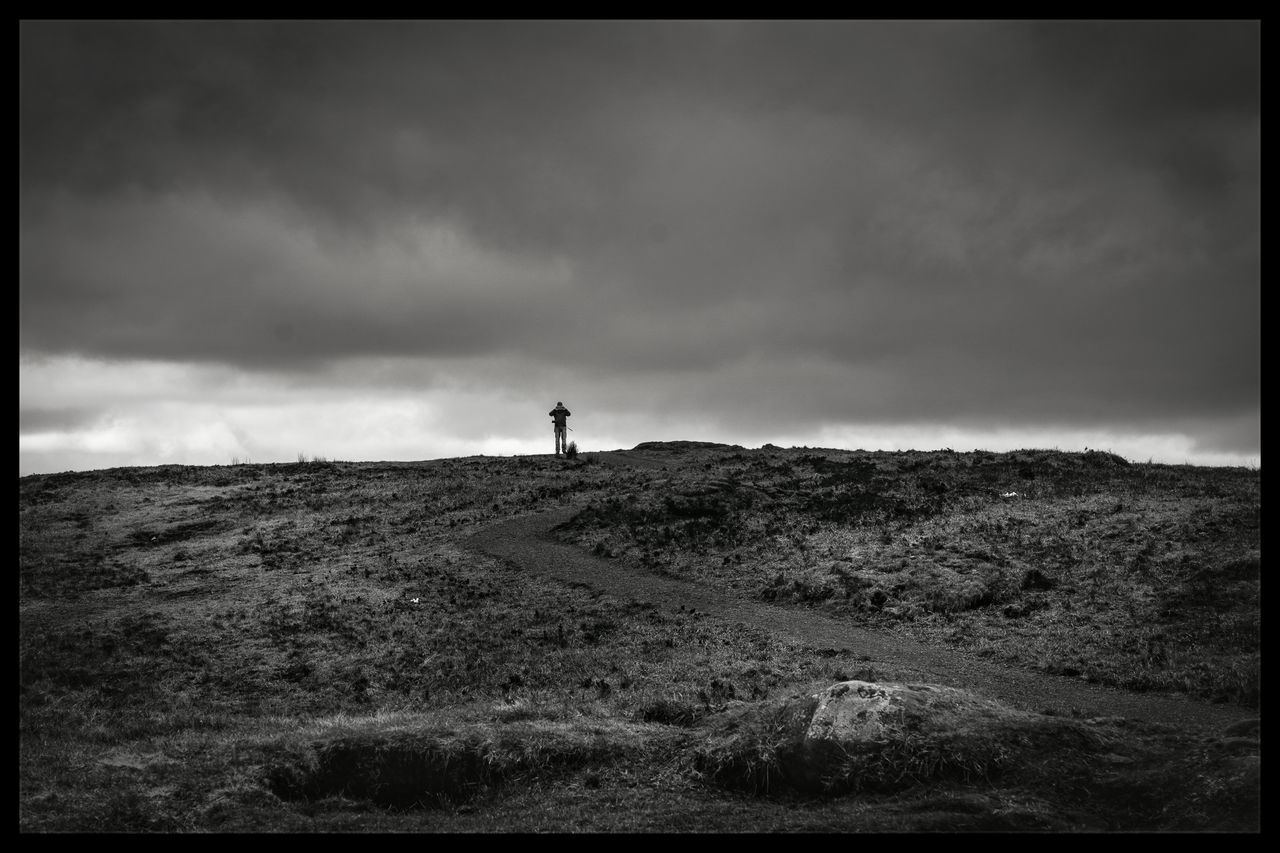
(403, 240)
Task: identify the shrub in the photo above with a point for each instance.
(571, 452)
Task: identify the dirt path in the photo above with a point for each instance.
(527, 544)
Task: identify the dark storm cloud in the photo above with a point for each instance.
(1056, 222)
(34, 420)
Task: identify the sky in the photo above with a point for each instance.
(407, 240)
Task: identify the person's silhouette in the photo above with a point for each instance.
(558, 415)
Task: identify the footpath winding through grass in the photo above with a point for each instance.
(527, 544)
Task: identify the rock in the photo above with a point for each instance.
(863, 710)
(883, 736)
(850, 710)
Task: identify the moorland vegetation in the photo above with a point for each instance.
(320, 646)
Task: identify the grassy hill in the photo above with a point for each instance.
(312, 646)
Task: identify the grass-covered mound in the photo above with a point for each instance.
(859, 736)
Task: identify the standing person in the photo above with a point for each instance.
(558, 415)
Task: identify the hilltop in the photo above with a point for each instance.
(346, 647)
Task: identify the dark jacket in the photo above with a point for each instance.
(559, 413)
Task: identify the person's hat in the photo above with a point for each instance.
(558, 403)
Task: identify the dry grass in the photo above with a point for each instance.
(306, 647)
(1139, 576)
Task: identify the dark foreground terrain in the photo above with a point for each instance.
(605, 643)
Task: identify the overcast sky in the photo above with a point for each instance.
(408, 240)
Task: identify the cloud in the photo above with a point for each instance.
(192, 277)
(767, 223)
